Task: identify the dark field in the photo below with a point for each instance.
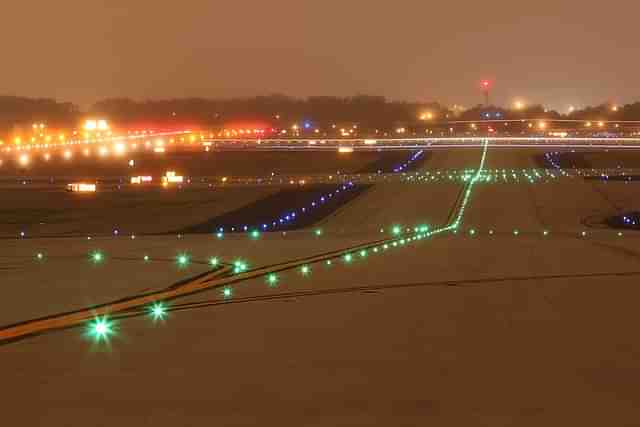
(220, 163)
(153, 210)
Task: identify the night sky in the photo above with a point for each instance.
(560, 53)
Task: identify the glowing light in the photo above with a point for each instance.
(348, 258)
(182, 260)
(227, 293)
(96, 257)
(100, 329)
(305, 270)
(81, 187)
(255, 234)
(23, 160)
(239, 266)
(39, 256)
(158, 311)
(214, 262)
(318, 232)
(272, 279)
(396, 230)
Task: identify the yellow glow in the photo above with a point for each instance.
(119, 149)
(81, 187)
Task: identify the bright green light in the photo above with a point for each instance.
(329, 262)
(305, 270)
(363, 253)
(158, 311)
(97, 257)
(182, 260)
(396, 230)
(146, 258)
(272, 279)
(220, 235)
(214, 262)
(255, 234)
(100, 329)
(227, 293)
(472, 232)
(239, 266)
(348, 258)
(318, 232)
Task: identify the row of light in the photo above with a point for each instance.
(291, 216)
(101, 328)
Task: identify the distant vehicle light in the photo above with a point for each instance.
(80, 187)
(141, 179)
(171, 178)
(345, 150)
(370, 142)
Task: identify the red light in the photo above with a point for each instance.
(485, 83)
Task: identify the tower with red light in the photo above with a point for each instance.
(485, 85)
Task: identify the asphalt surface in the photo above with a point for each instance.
(497, 324)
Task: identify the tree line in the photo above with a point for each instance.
(369, 112)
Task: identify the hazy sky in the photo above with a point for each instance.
(558, 52)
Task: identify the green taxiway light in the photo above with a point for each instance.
(100, 329)
(255, 234)
(227, 293)
(214, 261)
(182, 260)
(348, 258)
(146, 258)
(158, 311)
(318, 232)
(39, 256)
(396, 230)
(220, 235)
(97, 257)
(272, 279)
(305, 270)
(239, 266)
